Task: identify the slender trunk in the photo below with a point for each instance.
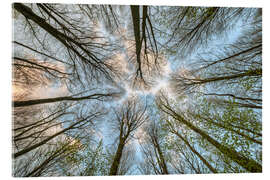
(246, 129)
(244, 105)
(255, 72)
(35, 125)
(23, 45)
(233, 56)
(37, 66)
(236, 97)
(117, 158)
(43, 165)
(135, 12)
(163, 163)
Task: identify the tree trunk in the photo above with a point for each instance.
(163, 163)
(117, 158)
(135, 12)
(255, 72)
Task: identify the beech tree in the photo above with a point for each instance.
(130, 118)
(138, 89)
(248, 163)
(153, 151)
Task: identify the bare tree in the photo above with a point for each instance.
(80, 122)
(77, 41)
(154, 152)
(235, 70)
(129, 118)
(143, 33)
(192, 27)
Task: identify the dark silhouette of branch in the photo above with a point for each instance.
(59, 99)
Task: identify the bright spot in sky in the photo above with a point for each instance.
(161, 84)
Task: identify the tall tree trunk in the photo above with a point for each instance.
(117, 158)
(135, 12)
(255, 72)
(248, 164)
(161, 157)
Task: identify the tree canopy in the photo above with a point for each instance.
(127, 90)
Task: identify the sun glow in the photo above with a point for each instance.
(160, 84)
(163, 84)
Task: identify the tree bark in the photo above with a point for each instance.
(135, 12)
(164, 169)
(117, 158)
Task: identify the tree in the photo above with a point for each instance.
(172, 130)
(152, 150)
(142, 28)
(77, 45)
(82, 121)
(247, 163)
(129, 118)
(235, 66)
(191, 27)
